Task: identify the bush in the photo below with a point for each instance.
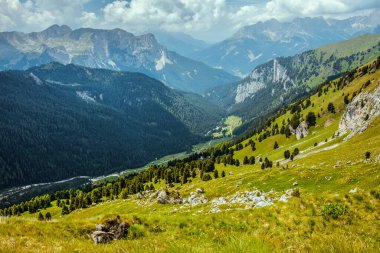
(334, 210)
(206, 177)
(367, 155)
(296, 193)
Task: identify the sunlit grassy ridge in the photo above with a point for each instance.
(325, 174)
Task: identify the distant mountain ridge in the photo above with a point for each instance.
(110, 49)
(60, 121)
(284, 79)
(256, 44)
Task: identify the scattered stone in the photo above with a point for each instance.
(355, 190)
(215, 210)
(230, 173)
(295, 183)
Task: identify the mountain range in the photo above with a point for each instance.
(110, 49)
(256, 44)
(284, 79)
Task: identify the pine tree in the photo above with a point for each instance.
(48, 216)
(40, 217)
(245, 160)
(275, 145)
(252, 160)
(216, 174)
(223, 173)
(65, 210)
(331, 107)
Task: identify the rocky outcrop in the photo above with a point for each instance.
(361, 111)
(260, 77)
(113, 229)
(169, 197)
(302, 130)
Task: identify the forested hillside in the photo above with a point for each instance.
(60, 121)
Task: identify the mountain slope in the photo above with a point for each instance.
(317, 202)
(111, 49)
(283, 79)
(261, 42)
(61, 121)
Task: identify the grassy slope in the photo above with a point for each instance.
(296, 226)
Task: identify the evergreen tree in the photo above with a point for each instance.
(245, 160)
(331, 107)
(252, 160)
(311, 119)
(275, 145)
(65, 210)
(40, 216)
(287, 154)
(223, 173)
(48, 216)
(216, 174)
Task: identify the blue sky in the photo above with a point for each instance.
(210, 20)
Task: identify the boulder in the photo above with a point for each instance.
(113, 229)
(169, 197)
(200, 190)
(302, 130)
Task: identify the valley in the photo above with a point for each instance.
(189, 126)
(325, 192)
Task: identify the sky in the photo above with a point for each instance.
(209, 20)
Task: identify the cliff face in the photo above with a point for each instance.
(272, 72)
(361, 111)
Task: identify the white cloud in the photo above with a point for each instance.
(208, 19)
(285, 10)
(39, 14)
(188, 15)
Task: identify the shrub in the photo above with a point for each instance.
(333, 210)
(296, 193)
(275, 145)
(206, 177)
(367, 155)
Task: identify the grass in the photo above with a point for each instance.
(325, 181)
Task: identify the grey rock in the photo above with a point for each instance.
(302, 130)
(360, 112)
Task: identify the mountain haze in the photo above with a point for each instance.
(256, 44)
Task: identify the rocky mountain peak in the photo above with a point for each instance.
(55, 31)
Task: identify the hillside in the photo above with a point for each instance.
(286, 79)
(110, 49)
(59, 121)
(261, 42)
(323, 199)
